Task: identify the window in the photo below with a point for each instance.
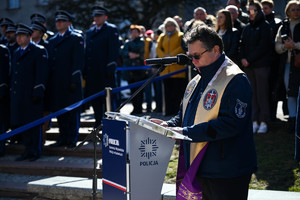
(13, 4)
(43, 2)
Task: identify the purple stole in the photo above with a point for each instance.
(187, 185)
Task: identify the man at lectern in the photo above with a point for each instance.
(216, 114)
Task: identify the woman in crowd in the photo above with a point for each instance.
(286, 44)
(256, 56)
(169, 44)
(230, 35)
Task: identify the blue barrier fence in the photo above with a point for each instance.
(90, 98)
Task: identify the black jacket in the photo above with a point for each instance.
(231, 42)
(256, 42)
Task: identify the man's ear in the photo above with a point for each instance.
(216, 49)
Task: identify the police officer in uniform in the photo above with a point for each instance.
(38, 31)
(4, 93)
(42, 19)
(4, 22)
(101, 56)
(11, 38)
(66, 55)
(29, 75)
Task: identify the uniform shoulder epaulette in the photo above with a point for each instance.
(3, 46)
(39, 46)
(76, 34)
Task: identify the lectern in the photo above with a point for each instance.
(135, 157)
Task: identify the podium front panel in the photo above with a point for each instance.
(114, 159)
(149, 156)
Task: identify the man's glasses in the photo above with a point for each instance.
(197, 57)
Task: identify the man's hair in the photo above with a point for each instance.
(232, 7)
(199, 8)
(270, 3)
(208, 36)
(255, 3)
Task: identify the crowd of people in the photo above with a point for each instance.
(42, 72)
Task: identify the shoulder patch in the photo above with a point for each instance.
(240, 109)
(210, 99)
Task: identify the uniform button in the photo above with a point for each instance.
(15, 82)
(18, 63)
(53, 58)
(14, 92)
(16, 72)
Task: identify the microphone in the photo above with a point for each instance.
(180, 59)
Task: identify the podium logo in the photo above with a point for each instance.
(148, 148)
(107, 141)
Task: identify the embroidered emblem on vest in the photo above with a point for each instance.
(210, 99)
(240, 109)
(187, 194)
(189, 89)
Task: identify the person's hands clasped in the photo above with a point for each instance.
(289, 44)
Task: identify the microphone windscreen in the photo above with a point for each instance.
(183, 59)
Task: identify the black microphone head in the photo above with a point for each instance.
(183, 59)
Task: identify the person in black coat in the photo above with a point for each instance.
(133, 55)
(29, 75)
(230, 35)
(101, 57)
(66, 55)
(255, 52)
(4, 93)
(267, 6)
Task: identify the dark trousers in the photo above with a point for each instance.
(68, 126)
(225, 188)
(297, 134)
(158, 95)
(259, 80)
(173, 90)
(98, 105)
(32, 140)
(2, 143)
(137, 101)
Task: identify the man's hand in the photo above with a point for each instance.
(245, 62)
(177, 129)
(159, 121)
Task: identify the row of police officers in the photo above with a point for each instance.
(42, 75)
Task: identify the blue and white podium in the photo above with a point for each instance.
(135, 157)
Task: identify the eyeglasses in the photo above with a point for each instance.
(197, 57)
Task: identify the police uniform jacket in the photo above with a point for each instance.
(28, 79)
(101, 56)
(66, 56)
(231, 151)
(12, 48)
(4, 82)
(256, 42)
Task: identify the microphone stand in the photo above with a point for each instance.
(95, 135)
